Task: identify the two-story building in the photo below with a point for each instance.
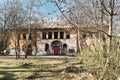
(51, 37)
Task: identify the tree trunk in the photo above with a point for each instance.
(18, 48)
(78, 40)
(110, 31)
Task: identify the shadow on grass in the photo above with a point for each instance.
(38, 75)
(6, 76)
(40, 72)
(30, 65)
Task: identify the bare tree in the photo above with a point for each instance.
(30, 8)
(9, 16)
(100, 13)
(110, 8)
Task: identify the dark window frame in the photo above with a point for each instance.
(24, 36)
(91, 34)
(61, 35)
(49, 35)
(67, 35)
(55, 35)
(30, 36)
(44, 35)
(19, 36)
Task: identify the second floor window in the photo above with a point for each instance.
(55, 35)
(83, 35)
(91, 35)
(61, 35)
(67, 35)
(24, 36)
(49, 35)
(30, 36)
(19, 36)
(43, 35)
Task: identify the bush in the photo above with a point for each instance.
(103, 64)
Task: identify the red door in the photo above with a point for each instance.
(55, 50)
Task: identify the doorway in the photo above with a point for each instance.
(56, 47)
(56, 50)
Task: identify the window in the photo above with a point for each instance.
(67, 35)
(84, 35)
(19, 36)
(61, 35)
(44, 35)
(64, 46)
(30, 36)
(24, 36)
(55, 35)
(49, 35)
(91, 34)
(46, 47)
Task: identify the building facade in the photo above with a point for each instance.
(52, 39)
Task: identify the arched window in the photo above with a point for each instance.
(46, 47)
(64, 48)
(64, 45)
(29, 50)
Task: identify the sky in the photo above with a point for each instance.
(49, 10)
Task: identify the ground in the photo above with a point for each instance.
(38, 68)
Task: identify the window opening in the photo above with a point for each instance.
(61, 35)
(49, 35)
(44, 35)
(67, 35)
(55, 35)
(24, 36)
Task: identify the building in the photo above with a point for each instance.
(52, 38)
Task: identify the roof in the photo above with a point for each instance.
(51, 25)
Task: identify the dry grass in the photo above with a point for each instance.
(36, 68)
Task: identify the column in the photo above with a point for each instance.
(52, 35)
(64, 35)
(46, 35)
(58, 35)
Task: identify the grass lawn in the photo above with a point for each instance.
(36, 68)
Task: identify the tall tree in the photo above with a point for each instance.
(84, 13)
(111, 8)
(32, 10)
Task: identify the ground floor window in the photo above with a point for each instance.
(46, 47)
